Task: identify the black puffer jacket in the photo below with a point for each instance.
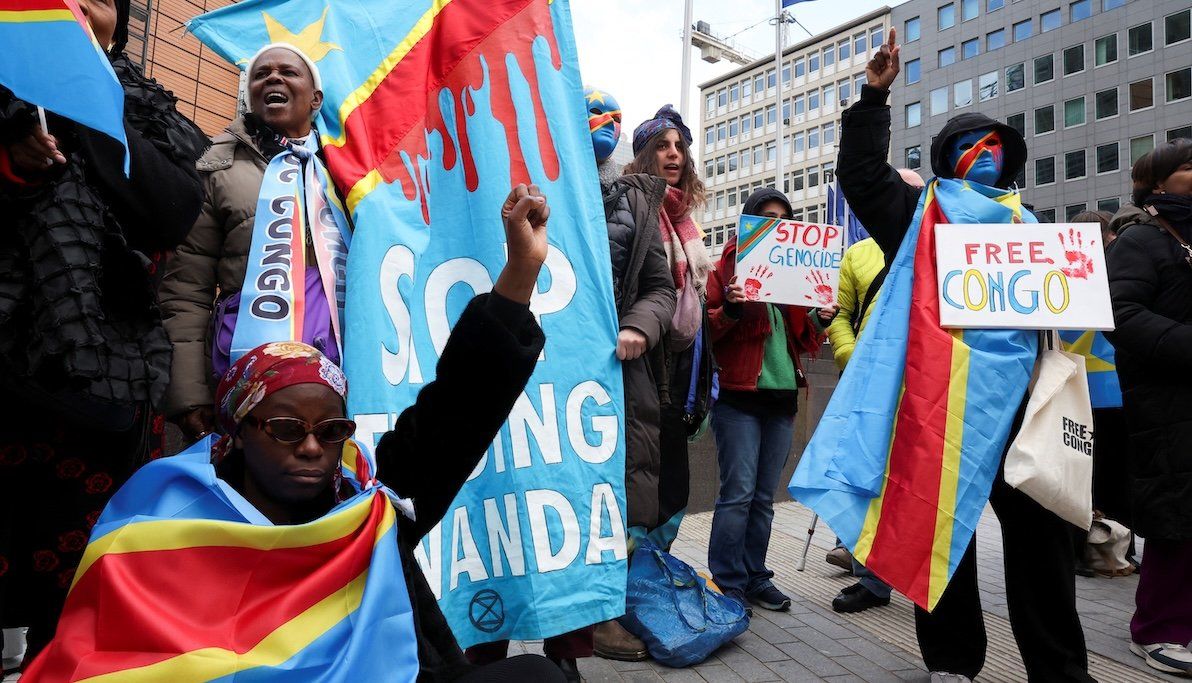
(1151, 286)
(645, 294)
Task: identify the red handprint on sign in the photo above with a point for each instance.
(1080, 264)
(824, 296)
(753, 285)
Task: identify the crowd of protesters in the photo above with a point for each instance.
(88, 327)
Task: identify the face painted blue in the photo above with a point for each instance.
(604, 121)
(977, 156)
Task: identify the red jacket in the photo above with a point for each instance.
(739, 342)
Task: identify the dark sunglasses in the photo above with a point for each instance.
(292, 430)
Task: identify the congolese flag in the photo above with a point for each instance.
(50, 59)
(433, 110)
(1100, 359)
(184, 580)
(903, 460)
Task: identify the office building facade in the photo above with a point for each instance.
(738, 120)
(1091, 84)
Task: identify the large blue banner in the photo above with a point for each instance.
(434, 109)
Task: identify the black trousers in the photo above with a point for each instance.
(527, 668)
(1040, 593)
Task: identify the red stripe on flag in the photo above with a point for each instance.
(906, 530)
(139, 608)
(32, 5)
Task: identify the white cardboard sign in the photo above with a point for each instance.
(789, 262)
(1027, 276)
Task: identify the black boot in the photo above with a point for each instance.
(569, 668)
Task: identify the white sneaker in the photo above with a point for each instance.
(945, 677)
(1166, 657)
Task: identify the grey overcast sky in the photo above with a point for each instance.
(633, 48)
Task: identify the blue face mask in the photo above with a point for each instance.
(977, 156)
(604, 121)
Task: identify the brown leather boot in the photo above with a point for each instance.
(612, 641)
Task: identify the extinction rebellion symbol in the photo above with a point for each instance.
(487, 611)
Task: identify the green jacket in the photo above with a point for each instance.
(861, 264)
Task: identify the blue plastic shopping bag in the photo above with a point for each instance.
(670, 607)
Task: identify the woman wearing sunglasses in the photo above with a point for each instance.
(274, 552)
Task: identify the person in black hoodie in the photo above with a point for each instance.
(1040, 583)
(1150, 280)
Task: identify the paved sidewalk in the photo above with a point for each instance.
(813, 643)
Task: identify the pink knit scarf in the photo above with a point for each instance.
(683, 243)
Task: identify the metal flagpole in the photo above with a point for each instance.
(780, 166)
(685, 95)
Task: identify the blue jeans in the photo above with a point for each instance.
(752, 451)
(867, 578)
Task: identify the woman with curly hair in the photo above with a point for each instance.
(83, 355)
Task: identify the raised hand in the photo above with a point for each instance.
(1080, 264)
(524, 213)
(881, 71)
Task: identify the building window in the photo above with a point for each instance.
(858, 81)
(757, 156)
(1140, 146)
(800, 105)
(939, 101)
(797, 180)
(970, 49)
(995, 40)
(733, 128)
(1074, 112)
(1050, 21)
(912, 71)
(732, 162)
(1177, 27)
(1139, 40)
(829, 172)
(844, 49)
(710, 103)
(759, 83)
(709, 136)
(914, 114)
(786, 75)
(771, 151)
(947, 56)
(962, 93)
(987, 86)
(1107, 5)
(720, 166)
(1044, 119)
(1073, 60)
(1105, 49)
(844, 88)
(746, 124)
(757, 120)
(1107, 157)
(1176, 133)
(1179, 85)
(829, 95)
(1073, 210)
(876, 36)
(1045, 215)
(1015, 77)
(1074, 165)
(746, 88)
(771, 115)
(1023, 30)
(1081, 9)
(722, 98)
(709, 168)
(1045, 171)
(1017, 122)
(721, 132)
(813, 138)
(813, 177)
(1111, 204)
(910, 33)
(771, 79)
(829, 55)
(813, 62)
(813, 100)
(800, 68)
(830, 133)
(912, 158)
(993, 5)
(1142, 94)
(1106, 103)
(734, 94)
(946, 16)
(799, 142)
(969, 9)
(1044, 69)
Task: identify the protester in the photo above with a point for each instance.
(280, 462)
(645, 296)
(1150, 280)
(862, 271)
(1040, 586)
(222, 261)
(83, 356)
(758, 347)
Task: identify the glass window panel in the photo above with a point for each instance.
(969, 9)
(1045, 171)
(829, 133)
(1107, 103)
(813, 138)
(1142, 94)
(746, 88)
(1045, 215)
(1139, 40)
(813, 62)
(876, 36)
(1105, 49)
(786, 75)
(912, 71)
(992, 5)
(844, 49)
(1044, 120)
(799, 142)
(1073, 60)
(1183, 132)
(970, 49)
(1179, 85)
(829, 94)
(1015, 77)
(829, 55)
(845, 87)
(746, 124)
(995, 40)
(1072, 210)
(962, 93)
(722, 98)
(1140, 146)
(1017, 122)
(1023, 30)
(771, 115)
(800, 105)
(709, 135)
(946, 16)
(913, 157)
(1107, 157)
(1107, 5)
(939, 101)
(914, 114)
(733, 128)
(910, 33)
(734, 94)
(1050, 21)
(1044, 69)
(1073, 112)
(1074, 165)
(947, 56)
(1177, 27)
(813, 177)
(813, 100)
(987, 86)
(1081, 9)
(1111, 204)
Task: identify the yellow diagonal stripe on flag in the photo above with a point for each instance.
(36, 15)
(275, 648)
(950, 470)
(362, 93)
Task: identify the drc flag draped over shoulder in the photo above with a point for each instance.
(184, 580)
(433, 110)
(903, 460)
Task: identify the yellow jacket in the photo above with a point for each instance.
(862, 262)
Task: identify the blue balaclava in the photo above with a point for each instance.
(604, 122)
(977, 156)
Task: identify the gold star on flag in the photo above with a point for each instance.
(596, 96)
(309, 39)
(1084, 347)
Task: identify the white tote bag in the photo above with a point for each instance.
(1051, 459)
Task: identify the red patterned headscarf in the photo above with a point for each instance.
(266, 369)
